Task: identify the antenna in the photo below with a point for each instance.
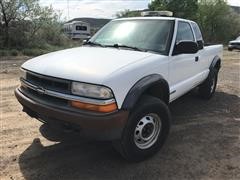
(68, 8)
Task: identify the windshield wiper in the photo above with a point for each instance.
(93, 44)
(126, 46)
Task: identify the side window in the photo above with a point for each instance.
(197, 32)
(184, 32)
(81, 28)
(198, 35)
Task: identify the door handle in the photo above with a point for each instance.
(196, 58)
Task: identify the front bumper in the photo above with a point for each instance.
(90, 124)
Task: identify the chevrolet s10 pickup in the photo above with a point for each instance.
(118, 85)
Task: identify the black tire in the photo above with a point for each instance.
(230, 49)
(126, 145)
(207, 88)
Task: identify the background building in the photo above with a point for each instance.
(82, 28)
(77, 30)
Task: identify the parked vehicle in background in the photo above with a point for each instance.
(235, 44)
(77, 30)
(118, 86)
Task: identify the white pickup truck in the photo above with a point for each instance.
(118, 85)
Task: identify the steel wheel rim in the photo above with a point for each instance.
(147, 131)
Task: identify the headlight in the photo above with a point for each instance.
(23, 74)
(93, 91)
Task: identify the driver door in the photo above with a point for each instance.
(182, 67)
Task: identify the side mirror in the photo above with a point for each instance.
(86, 39)
(200, 44)
(185, 47)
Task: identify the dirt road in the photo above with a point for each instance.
(204, 142)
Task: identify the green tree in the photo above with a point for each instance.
(158, 5)
(26, 24)
(128, 13)
(180, 8)
(9, 11)
(217, 21)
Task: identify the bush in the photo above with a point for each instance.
(3, 53)
(34, 52)
(13, 52)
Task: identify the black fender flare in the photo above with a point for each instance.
(216, 63)
(141, 86)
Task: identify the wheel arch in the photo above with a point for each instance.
(216, 63)
(154, 85)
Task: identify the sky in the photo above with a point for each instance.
(99, 8)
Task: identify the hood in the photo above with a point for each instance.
(235, 41)
(85, 64)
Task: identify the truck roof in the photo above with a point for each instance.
(76, 22)
(153, 18)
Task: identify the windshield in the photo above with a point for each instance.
(148, 35)
(238, 38)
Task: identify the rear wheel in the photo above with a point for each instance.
(207, 88)
(146, 131)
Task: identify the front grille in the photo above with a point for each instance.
(50, 99)
(49, 83)
(43, 98)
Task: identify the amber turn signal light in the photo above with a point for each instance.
(92, 107)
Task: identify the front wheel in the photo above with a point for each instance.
(146, 131)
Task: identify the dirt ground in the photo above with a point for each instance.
(204, 142)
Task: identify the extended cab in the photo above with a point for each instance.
(118, 85)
